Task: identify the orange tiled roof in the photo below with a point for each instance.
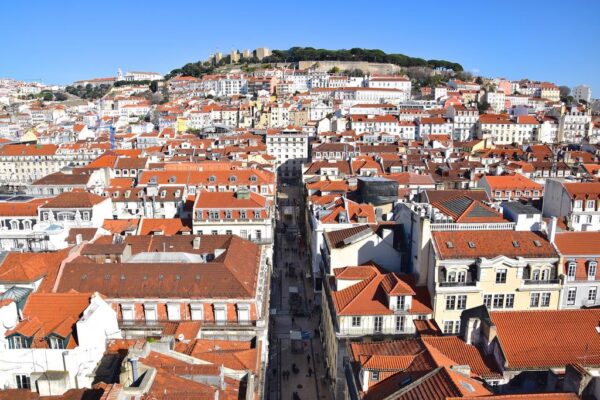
(548, 339)
(490, 244)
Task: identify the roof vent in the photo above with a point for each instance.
(196, 243)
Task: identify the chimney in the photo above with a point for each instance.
(197, 243)
(552, 229)
(78, 239)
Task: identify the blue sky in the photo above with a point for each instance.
(61, 41)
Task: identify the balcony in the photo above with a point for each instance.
(458, 284)
(541, 282)
(162, 325)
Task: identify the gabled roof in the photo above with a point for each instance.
(548, 339)
(466, 210)
(233, 274)
(440, 384)
(491, 244)
(29, 267)
(74, 200)
(51, 313)
(578, 243)
(583, 190)
(370, 295)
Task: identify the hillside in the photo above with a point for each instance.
(298, 54)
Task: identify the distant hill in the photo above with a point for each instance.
(296, 54)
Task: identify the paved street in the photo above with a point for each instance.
(296, 366)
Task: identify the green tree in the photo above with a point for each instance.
(60, 96)
(47, 96)
(154, 86)
(483, 106)
(334, 70)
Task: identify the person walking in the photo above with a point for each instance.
(308, 358)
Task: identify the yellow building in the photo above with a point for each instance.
(501, 269)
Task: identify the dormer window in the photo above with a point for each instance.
(18, 342)
(228, 214)
(256, 214)
(471, 245)
(400, 302)
(243, 214)
(232, 178)
(172, 179)
(163, 194)
(212, 178)
(253, 178)
(116, 194)
(592, 267)
(56, 342)
(571, 269)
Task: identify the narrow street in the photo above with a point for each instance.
(296, 365)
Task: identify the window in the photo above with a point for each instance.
(450, 302)
(461, 302)
(17, 342)
(501, 276)
(23, 382)
(498, 301)
(356, 321)
(173, 311)
(127, 312)
(487, 300)
(56, 342)
(462, 276)
(228, 214)
(571, 271)
(243, 313)
(400, 302)
(545, 299)
(150, 312)
(592, 294)
(571, 296)
(220, 314)
(86, 216)
(400, 323)
(592, 270)
(451, 277)
(578, 204)
(591, 204)
(378, 324)
(451, 327)
(196, 311)
(374, 375)
(510, 301)
(534, 300)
